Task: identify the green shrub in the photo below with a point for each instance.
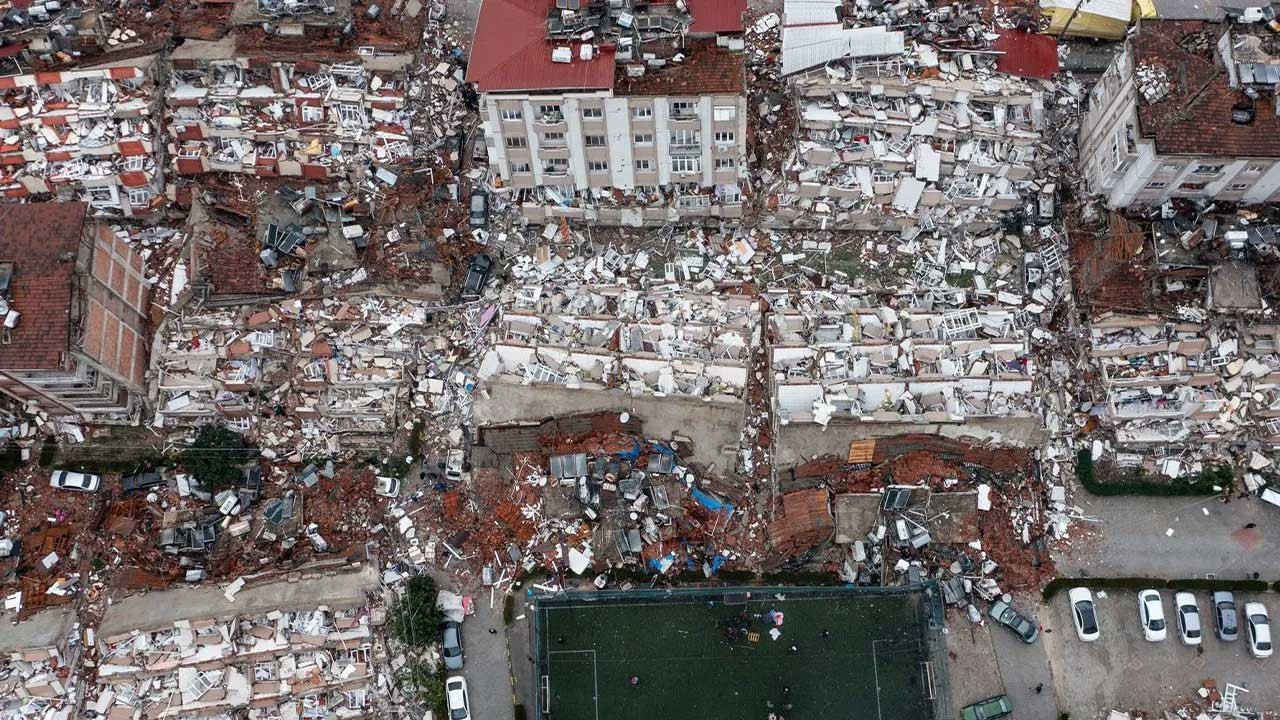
(416, 619)
(428, 685)
(217, 457)
(1142, 583)
(1135, 482)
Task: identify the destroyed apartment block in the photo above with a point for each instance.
(337, 368)
(850, 356)
(73, 343)
(277, 664)
(893, 135)
(53, 34)
(84, 134)
(617, 113)
(38, 678)
(1188, 109)
(285, 118)
(654, 343)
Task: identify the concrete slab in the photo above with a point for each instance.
(159, 609)
(856, 515)
(799, 443)
(46, 628)
(714, 427)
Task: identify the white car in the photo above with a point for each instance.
(1084, 613)
(83, 482)
(1151, 613)
(386, 486)
(1257, 628)
(455, 692)
(1189, 628)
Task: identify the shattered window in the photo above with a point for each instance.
(104, 196)
(349, 114)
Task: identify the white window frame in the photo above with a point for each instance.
(592, 113)
(1157, 185)
(644, 164)
(725, 137)
(691, 138)
(1255, 168)
(686, 164)
(587, 141)
(724, 112)
(1238, 187)
(1203, 169)
(726, 164)
(96, 195)
(511, 115)
(521, 168)
(553, 137)
(350, 114)
(140, 196)
(135, 163)
(598, 166)
(642, 138)
(312, 113)
(641, 112)
(684, 108)
(516, 142)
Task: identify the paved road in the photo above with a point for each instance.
(1023, 667)
(487, 671)
(1132, 538)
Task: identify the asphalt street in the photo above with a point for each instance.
(486, 668)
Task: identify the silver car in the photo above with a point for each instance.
(1224, 616)
(451, 644)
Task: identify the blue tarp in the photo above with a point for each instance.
(633, 454)
(662, 449)
(711, 503)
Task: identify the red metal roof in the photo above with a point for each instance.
(1027, 54)
(36, 237)
(716, 16)
(511, 52)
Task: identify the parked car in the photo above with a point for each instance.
(1085, 613)
(1151, 613)
(992, 707)
(1224, 616)
(1257, 628)
(479, 210)
(1189, 629)
(455, 692)
(477, 274)
(83, 482)
(1003, 613)
(451, 644)
(386, 486)
(135, 481)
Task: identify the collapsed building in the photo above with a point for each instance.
(73, 341)
(38, 679)
(271, 117)
(1187, 110)
(84, 134)
(896, 134)
(615, 113)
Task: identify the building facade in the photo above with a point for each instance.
(1166, 121)
(648, 128)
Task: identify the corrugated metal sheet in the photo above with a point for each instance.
(809, 46)
(810, 12)
(510, 52)
(1027, 54)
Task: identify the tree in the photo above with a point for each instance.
(417, 619)
(217, 457)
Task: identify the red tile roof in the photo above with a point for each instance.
(707, 69)
(34, 237)
(1195, 117)
(1027, 54)
(510, 52)
(716, 16)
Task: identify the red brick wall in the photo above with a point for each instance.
(115, 328)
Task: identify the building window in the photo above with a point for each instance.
(350, 114)
(136, 163)
(104, 195)
(312, 114)
(682, 109)
(1156, 185)
(556, 166)
(517, 142)
(684, 137)
(686, 165)
(1208, 169)
(725, 112)
(521, 168)
(550, 113)
(1170, 167)
(139, 197)
(593, 140)
(644, 165)
(592, 113)
(598, 166)
(1237, 187)
(726, 163)
(724, 138)
(1256, 168)
(642, 112)
(512, 115)
(553, 138)
(1193, 186)
(730, 194)
(643, 138)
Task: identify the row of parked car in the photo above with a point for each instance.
(1227, 620)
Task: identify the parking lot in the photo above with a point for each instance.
(1124, 671)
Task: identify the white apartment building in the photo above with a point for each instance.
(1187, 110)
(646, 129)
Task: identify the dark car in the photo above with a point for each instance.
(1224, 616)
(451, 644)
(1003, 613)
(477, 274)
(989, 709)
(479, 210)
(136, 481)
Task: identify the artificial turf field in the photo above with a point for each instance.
(870, 667)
